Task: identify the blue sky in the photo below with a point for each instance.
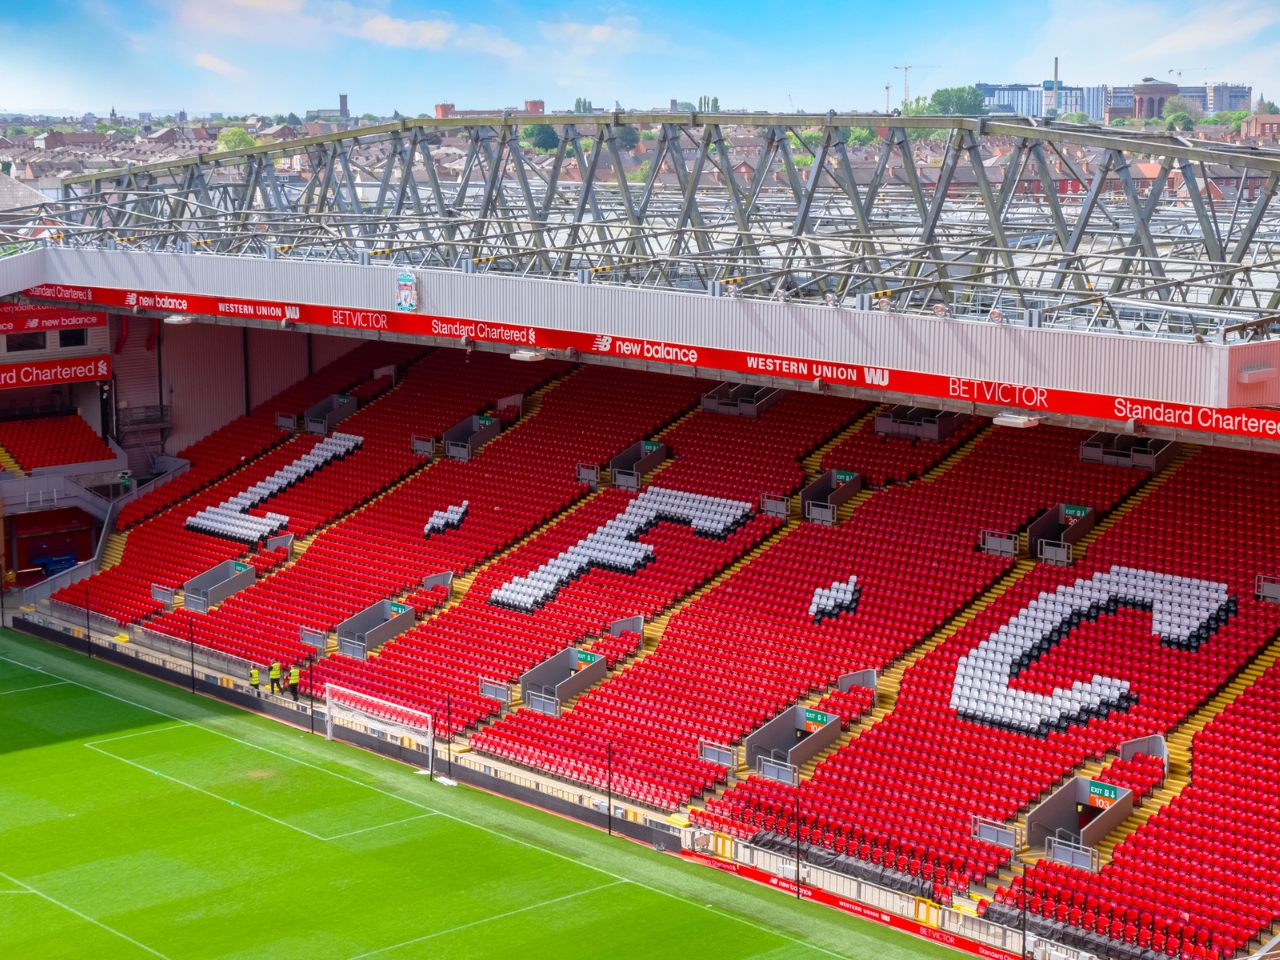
(273, 56)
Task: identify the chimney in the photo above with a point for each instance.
(1057, 97)
(673, 106)
(342, 106)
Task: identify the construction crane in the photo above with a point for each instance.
(887, 106)
(906, 88)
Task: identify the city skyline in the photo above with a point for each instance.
(237, 56)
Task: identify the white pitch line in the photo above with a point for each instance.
(139, 733)
(42, 686)
(27, 888)
(207, 793)
(483, 920)
(379, 826)
(475, 826)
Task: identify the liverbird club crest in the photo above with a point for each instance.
(406, 292)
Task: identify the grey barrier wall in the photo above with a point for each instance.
(921, 423)
(286, 421)
(390, 370)
(280, 540)
(1123, 450)
(821, 500)
(329, 412)
(439, 580)
(1052, 536)
(741, 399)
(626, 469)
(1153, 746)
(515, 400)
(1058, 811)
(216, 584)
(860, 678)
(467, 436)
(776, 740)
(423, 446)
(561, 677)
(373, 626)
(774, 505)
(633, 624)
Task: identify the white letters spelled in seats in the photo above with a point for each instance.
(613, 545)
(1184, 613)
(449, 518)
(840, 597)
(229, 519)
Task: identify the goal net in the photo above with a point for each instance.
(411, 729)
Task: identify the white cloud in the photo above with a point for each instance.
(391, 32)
(1210, 27)
(485, 40)
(223, 69)
(618, 32)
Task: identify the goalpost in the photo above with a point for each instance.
(411, 729)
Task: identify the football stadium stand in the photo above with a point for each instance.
(52, 442)
(1000, 678)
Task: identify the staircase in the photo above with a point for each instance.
(113, 551)
(9, 464)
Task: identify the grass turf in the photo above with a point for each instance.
(137, 820)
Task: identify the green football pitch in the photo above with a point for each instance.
(138, 820)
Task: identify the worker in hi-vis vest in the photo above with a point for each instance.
(253, 679)
(293, 680)
(274, 675)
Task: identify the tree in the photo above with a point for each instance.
(293, 120)
(648, 135)
(1177, 104)
(861, 137)
(640, 174)
(628, 137)
(957, 102)
(370, 116)
(1119, 122)
(1180, 121)
(1079, 117)
(1269, 107)
(541, 136)
(582, 105)
(686, 107)
(235, 138)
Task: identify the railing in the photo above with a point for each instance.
(543, 704)
(626, 479)
(721, 753)
(999, 544)
(151, 415)
(774, 505)
(1266, 587)
(1013, 836)
(778, 770)
(423, 446)
(1058, 552)
(1073, 854)
(495, 689)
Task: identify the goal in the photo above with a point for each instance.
(382, 719)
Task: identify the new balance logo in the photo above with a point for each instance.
(602, 344)
(33, 323)
(130, 299)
